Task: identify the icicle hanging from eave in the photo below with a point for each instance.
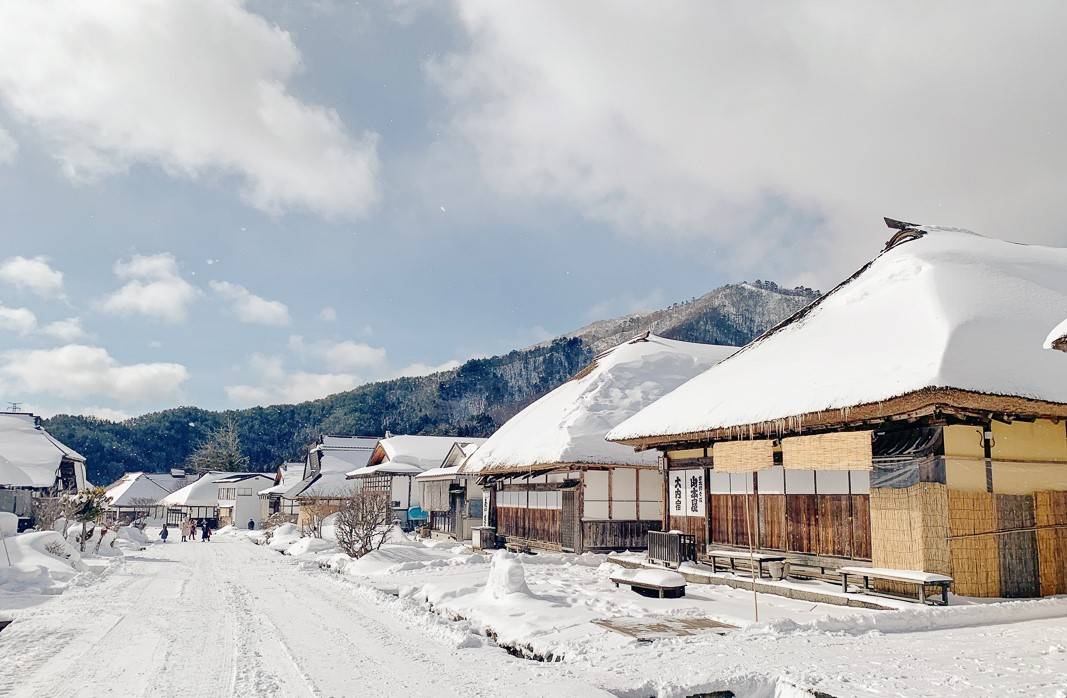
(743, 456)
(845, 450)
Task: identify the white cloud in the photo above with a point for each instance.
(328, 314)
(76, 371)
(68, 330)
(735, 121)
(250, 308)
(20, 320)
(33, 274)
(342, 356)
(155, 289)
(277, 386)
(420, 369)
(8, 147)
(199, 88)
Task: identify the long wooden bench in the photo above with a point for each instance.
(647, 582)
(920, 579)
(734, 555)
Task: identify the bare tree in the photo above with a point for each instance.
(47, 510)
(363, 522)
(311, 515)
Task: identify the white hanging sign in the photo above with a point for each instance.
(695, 487)
(687, 493)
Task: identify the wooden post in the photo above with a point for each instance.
(751, 547)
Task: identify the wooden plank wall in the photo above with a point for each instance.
(831, 525)
(861, 526)
(772, 524)
(618, 535)
(719, 519)
(802, 530)
(532, 524)
(693, 525)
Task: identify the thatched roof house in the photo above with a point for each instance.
(943, 319)
(910, 417)
(556, 482)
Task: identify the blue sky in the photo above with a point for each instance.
(267, 202)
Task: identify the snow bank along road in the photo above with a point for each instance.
(225, 618)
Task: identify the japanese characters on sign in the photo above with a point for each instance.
(687, 492)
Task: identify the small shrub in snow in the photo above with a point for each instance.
(362, 523)
(58, 549)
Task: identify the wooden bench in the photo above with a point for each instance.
(733, 555)
(657, 583)
(920, 579)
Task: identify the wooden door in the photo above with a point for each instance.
(568, 521)
(455, 511)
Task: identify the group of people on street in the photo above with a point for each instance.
(188, 530)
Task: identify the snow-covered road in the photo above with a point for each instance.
(227, 618)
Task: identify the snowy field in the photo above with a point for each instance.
(232, 618)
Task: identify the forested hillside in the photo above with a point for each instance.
(472, 400)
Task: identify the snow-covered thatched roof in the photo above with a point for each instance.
(939, 310)
(204, 492)
(141, 488)
(424, 452)
(31, 456)
(568, 424)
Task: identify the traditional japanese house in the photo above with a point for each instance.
(137, 495)
(33, 464)
(392, 468)
(452, 499)
(198, 500)
(908, 419)
(271, 499)
(239, 498)
(554, 483)
(323, 486)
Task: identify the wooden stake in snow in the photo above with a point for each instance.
(751, 548)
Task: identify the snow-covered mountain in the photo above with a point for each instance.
(472, 400)
(734, 314)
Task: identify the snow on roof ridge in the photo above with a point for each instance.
(938, 309)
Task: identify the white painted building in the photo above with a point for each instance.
(238, 498)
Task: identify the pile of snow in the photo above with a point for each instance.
(966, 312)
(506, 577)
(9, 523)
(131, 537)
(41, 562)
(402, 555)
(568, 425)
(923, 618)
(309, 546)
(283, 536)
